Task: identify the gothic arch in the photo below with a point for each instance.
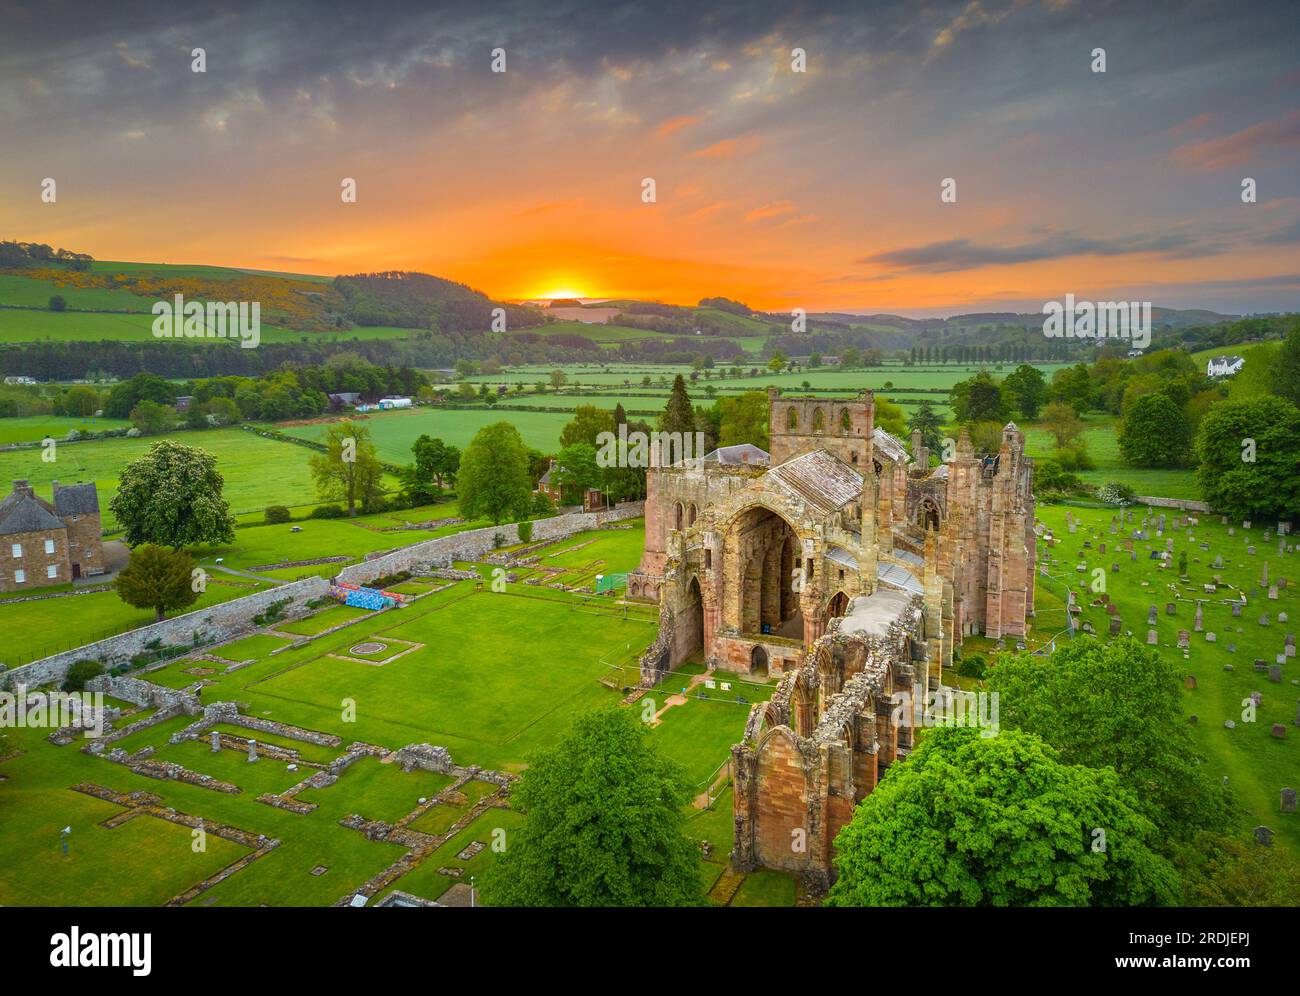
(818, 421)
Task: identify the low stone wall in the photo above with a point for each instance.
(144, 693)
(213, 624)
(475, 544)
(1185, 504)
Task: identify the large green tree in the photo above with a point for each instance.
(588, 422)
(1027, 388)
(603, 824)
(435, 466)
(743, 418)
(171, 496)
(679, 414)
(493, 481)
(158, 578)
(577, 470)
(1286, 371)
(1155, 433)
(1249, 453)
(1117, 705)
(969, 820)
(927, 420)
(349, 470)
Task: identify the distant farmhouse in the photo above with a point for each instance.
(43, 543)
(1223, 366)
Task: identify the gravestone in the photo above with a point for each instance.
(1288, 800)
(1250, 550)
(1236, 608)
(252, 750)
(1263, 836)
(1198, 622)
(1101, 547)
(1263, 620)
(1275, 674)
(1152, 638)
(1171, 609)
(1115, 624)
(216, 741)
(1190, 682)
(1151, 616)
(1211, 638)
(1279, 731)
(1111, 608)
(1263, 580)
(1184, 639)
(1232, 647)
(1261, 665)
(1272, 593)
(1218, 562)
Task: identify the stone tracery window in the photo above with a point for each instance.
(792, 419)
(819, 420)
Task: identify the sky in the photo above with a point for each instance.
(819, 189)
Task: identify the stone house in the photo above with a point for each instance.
(46, 544)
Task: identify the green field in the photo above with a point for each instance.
(395, 432)
(1103, 447)
(34, 428)
(243, 458)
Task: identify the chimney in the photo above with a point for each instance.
(23, 488)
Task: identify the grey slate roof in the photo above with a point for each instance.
(820, 479)
(24, 513)
(740, 454)
(890, 446)
(75, 499)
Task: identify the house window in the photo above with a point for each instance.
(52, 571)
(49, 546)
(20, 577)
(18, 550)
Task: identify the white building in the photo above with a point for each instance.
(387, 403)
(1223, 366)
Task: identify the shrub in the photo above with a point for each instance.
(1115, 493)
(80, 672)
(498, 540)
(972, 666)
(276, 514)
(274, 613)
(1074, 457)
(525, 531)
(328, 512)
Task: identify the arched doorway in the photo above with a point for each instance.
(837, 607)
(762, 557)
(927, 514)
(758, 662)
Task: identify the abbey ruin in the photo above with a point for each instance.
(851, 570)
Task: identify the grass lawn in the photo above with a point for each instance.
(249, 648)
(699, 735)
(1103, 447)
(1256, 764)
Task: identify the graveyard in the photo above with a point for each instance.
(1229, 623)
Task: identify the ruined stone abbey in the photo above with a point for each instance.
(846, 567)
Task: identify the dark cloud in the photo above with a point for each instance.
(965, 254)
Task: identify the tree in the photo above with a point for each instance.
(81, 400)
(1073, 385)
(435, 466)
(1116, 705)
(777, 363)
(220, 412)
(152, 418)
(57, 303)
(349, 469)
(81, 672)
(743, 418)
(577, 470)
(678, 415)
(850, 358)
(1286, 371)
(1027, 389)
(889, 417)
(172, 497)
(158, 578)
(978, 399)
(603, 824)
(1225, 871)
(1063, 423)
(1155, 433)
(558, 378)
(1249, 453)
(494, 481)
(587, 424)
(142, 387)
(927, 420)
(969, 820)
